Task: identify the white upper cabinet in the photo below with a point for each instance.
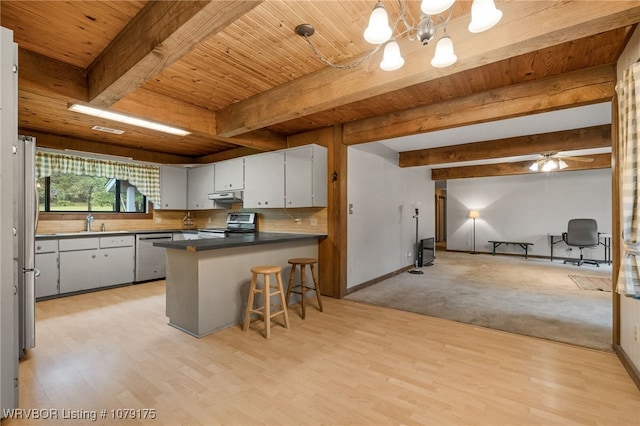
(229, 175)
(264, 180)
(306, 176)
(173, 181)
(199, 186)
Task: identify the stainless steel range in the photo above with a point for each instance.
(237, 223)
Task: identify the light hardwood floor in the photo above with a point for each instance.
(352, 364)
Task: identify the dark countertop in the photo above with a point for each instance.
(237, 240)
(83, 234)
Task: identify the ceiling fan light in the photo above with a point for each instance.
(549, 165)
(433, 7)
(444, 56)
(562, 164)
(378, 31)
(484, 15)
(534, 167)
(392, 59)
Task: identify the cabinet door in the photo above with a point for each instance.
(47, 281)
(199, 186)
(229, 175)
(117, 266)
(306, 176)
(79, 270)
(264, 181)
(173, 185)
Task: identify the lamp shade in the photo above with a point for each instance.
(484, 15)
(444, 56)
(433, 7)
(392, 59)
(474, 214)
(378, 30)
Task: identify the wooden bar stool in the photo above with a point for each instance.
(267, 290)
(303, 262)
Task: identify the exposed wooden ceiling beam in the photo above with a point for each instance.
(520, 32)
(45, 140)
(160, 34)
(600, 161)
(47, 77)
(590, 137)
(197, 120)
(567, 90)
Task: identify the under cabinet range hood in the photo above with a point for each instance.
(226, 197)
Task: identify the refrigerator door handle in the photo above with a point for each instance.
(37, 271)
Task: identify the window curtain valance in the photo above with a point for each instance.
(145, 178)
(628, 91)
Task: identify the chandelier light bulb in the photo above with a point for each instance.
(484, 15)
(534, 167)
(433, 7)
(444, 56)
(392, 59)
(562, 164)
(378, 31)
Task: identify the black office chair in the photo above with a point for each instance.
(582, 233)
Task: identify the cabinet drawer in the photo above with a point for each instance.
(46, 246)
(71, 244)
(117, 241)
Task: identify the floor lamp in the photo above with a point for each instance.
(473, 214)
(416, 269)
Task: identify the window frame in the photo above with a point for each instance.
(81, 215)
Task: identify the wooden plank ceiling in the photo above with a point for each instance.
(235, 74)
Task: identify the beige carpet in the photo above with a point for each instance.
(592, 283)
(534, 297)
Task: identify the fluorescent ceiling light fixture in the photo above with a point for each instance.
(127, 119)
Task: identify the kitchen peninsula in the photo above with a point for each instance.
(208, 279)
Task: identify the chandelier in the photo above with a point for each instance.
(434, 14)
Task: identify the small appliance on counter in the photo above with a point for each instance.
(237, 223)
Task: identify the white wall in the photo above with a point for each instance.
(527, 208)
(381, 229)
(630, 308)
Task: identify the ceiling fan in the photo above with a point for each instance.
(551, 161)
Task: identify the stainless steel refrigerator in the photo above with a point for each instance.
(25, 212)
(9, 312)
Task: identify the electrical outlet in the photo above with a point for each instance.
(314, 221)
(158, 220)
(298, 221)
(409, 254)
(636, 333)
(209, 219)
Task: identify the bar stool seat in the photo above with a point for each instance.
(267, 290)
(303, 262)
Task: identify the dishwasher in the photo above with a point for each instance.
(151, 260)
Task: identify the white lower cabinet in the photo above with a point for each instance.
(89, 263)
(46, 262)
(117, 261)
(79, 270)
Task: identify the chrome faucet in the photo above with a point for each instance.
(89, 219)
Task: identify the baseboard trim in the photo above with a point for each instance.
(378, 279)
(628, 365)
